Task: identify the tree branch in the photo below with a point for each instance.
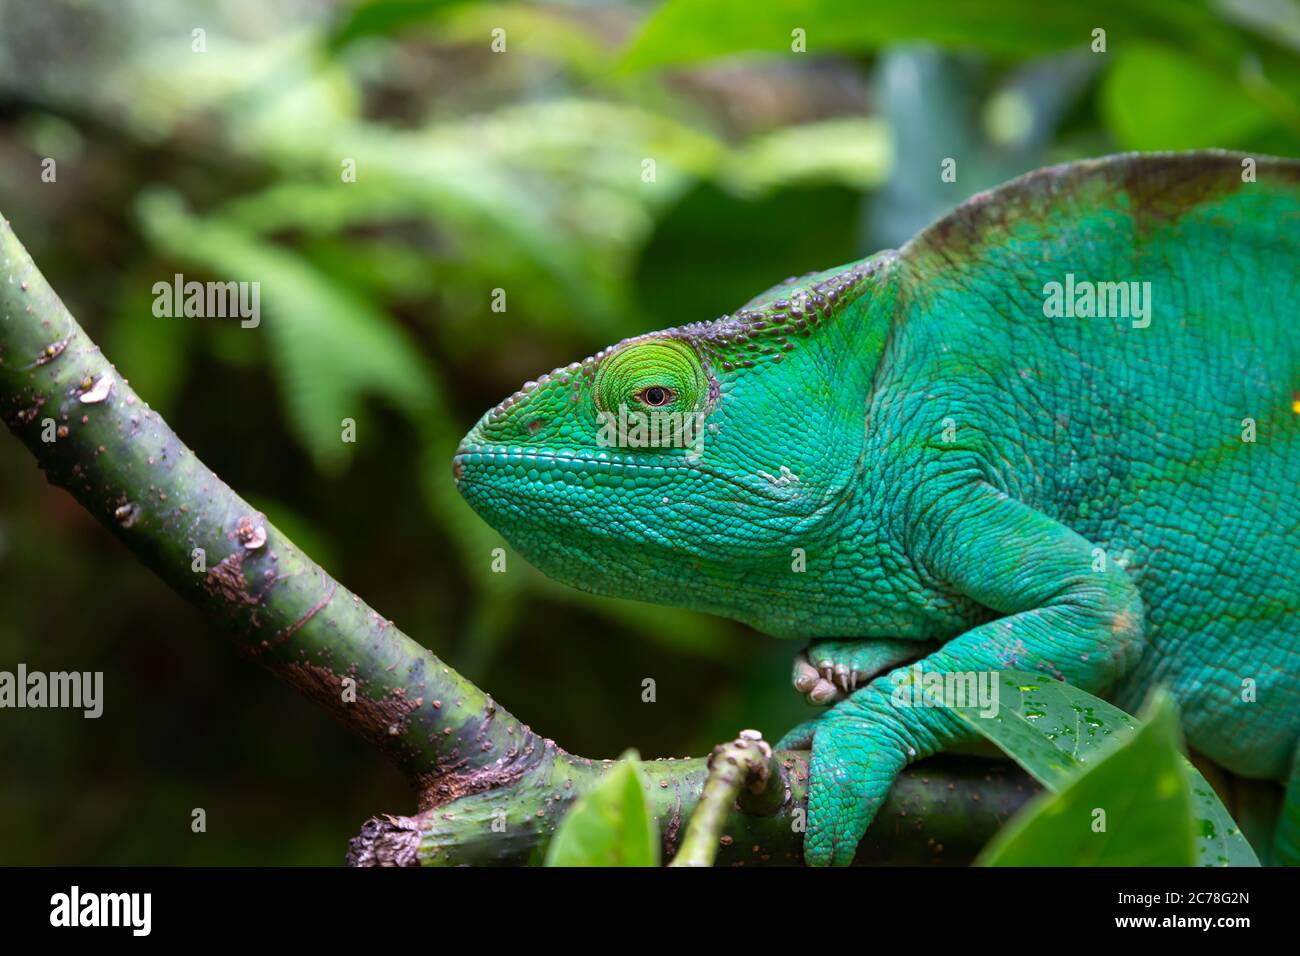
(468, 760)
(942, 810)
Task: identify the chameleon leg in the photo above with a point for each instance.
(1286, 838)
(1068, 612)
(827, 671)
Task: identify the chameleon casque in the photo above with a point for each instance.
(976, 479)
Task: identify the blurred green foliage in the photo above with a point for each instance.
(522, 170)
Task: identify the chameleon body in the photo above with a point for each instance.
(971, 468)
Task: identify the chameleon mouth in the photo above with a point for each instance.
(473, 462)
(476, 468)
(567, 461)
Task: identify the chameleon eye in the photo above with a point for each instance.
(656, 396)
(652, 372)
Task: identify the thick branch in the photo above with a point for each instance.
(942, 810)
(468, 759)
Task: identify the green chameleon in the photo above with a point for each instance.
(1057, 431)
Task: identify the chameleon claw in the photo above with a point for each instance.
(820, 685)
(829, 671)
(842, 677)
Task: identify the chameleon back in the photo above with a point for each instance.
(1116, 342)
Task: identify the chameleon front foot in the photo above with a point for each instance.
(827, 671)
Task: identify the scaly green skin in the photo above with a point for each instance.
(906, 449)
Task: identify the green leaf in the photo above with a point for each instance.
(1156, 98)
(685, 30)
(1052, 729)
(1219, 840)
(1057, 732)
(381, 18)
(610, 825)
(1131, 807)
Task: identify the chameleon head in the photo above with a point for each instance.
(682, 466)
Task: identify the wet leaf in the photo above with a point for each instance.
(1130, 807)
(1058, 733)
